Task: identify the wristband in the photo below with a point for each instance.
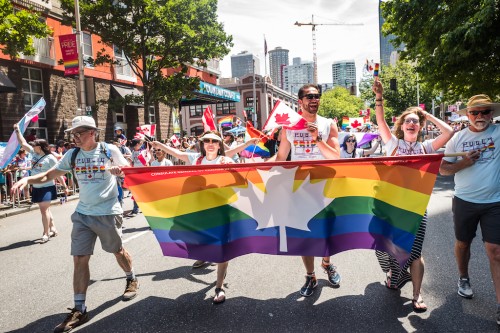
(379, 99)
(319, 138)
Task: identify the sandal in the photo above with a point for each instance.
(419, 305)
(220, 296)
(53, 233)
(388, 284)
(44, 239)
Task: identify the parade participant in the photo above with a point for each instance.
(211, 152)
(349, 148)
(42, 160)
(161, 159)
(231, 143)
(136, 148)
(98, 213)
(405, 141)
(477, 184)
(21, 165)
(322, 138)
(119, 135)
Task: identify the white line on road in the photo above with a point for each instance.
(136, 236)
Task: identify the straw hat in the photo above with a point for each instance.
(481, 101)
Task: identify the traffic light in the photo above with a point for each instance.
(393, 84)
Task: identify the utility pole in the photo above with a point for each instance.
(313, 26)
(81, 68)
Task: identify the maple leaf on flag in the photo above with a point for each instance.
(295, 208)
(285, 116)
(282, 119)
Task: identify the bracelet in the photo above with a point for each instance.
(379, 100)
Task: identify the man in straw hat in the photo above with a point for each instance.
(477, 189)
(98, 213)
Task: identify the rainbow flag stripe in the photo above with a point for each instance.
(318, 208)
(226, 121)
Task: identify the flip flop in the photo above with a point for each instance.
(220, 296)
(419, 305)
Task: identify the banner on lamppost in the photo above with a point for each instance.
(69, 50)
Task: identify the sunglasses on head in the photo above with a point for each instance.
(210, 141)
(312, 96)
(412, 120)
(483, 112)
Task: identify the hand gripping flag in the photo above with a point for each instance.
(12, 147)
(208, 120)
(284, 116)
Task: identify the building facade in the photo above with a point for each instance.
(244, 63)
(278, 60)
(344, 73)
(388, 53)
(105, 86)
(298, 74)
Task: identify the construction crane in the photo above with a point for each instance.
(313, 25)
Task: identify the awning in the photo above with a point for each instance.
(210, 94)
(6, 84)
(125, 91)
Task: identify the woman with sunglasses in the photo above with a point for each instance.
(211, 152)
(43, 194)
(405, 141)
(349, 149)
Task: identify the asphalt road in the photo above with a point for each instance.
(262, 291)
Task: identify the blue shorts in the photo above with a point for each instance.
(42, 194)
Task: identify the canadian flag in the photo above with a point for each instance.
(139, 136)
(175, 141)
(283, 115)
(144, 157)
(208, 120)
(149, 130)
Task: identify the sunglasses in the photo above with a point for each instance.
(312, 96)
(78, 134)
(351, 141)
(483, 112)
(210, 141)
(412, 120)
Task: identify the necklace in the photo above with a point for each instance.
(410, 146)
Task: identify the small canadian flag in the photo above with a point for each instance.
(175, 141)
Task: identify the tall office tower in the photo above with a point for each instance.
(242, 64)
(278, 59)
(344, 73)
(388, 53)
(298, 74)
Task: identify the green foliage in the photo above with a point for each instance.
(17, 30)
(156, 35)
(456, 44)
(337, 102)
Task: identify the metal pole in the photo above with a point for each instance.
(418, 93)
(81, 71)
(254, 98)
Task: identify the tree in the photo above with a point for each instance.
(159, 38)
(454, 43)
(338, 102)
(17, 30)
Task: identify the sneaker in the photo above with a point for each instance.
(308, 288)
(464, 288)
(199, 263)
(73, 319)
(131, 289)
(333, 276)
(44, 239)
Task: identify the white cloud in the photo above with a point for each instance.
(248, 22)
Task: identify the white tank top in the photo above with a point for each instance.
(303, 147)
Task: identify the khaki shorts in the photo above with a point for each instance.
(87, 228)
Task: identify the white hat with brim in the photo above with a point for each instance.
(480, 101)
(82, 121)
(211, 136)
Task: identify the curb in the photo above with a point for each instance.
(19, 210)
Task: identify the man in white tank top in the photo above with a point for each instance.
(318, 142)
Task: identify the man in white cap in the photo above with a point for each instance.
(477, 189)
(98, 213)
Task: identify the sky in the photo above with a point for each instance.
(249, 20)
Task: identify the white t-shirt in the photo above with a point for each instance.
(42, 163)
(98, 189)
(397, 147)
(164, 162)
(357, 153)
(303, 147)
(479, 183)
(193, 158)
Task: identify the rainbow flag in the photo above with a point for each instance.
(255, 150)
(315, 208)
(226, 121)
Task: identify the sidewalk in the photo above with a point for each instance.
(23, 208)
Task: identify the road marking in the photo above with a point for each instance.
(136, 236)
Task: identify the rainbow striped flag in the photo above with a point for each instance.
(226, 121)
(314, 208)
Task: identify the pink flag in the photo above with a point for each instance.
(283, 115)
(175, 141)
(144, 157)
(208, 120)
